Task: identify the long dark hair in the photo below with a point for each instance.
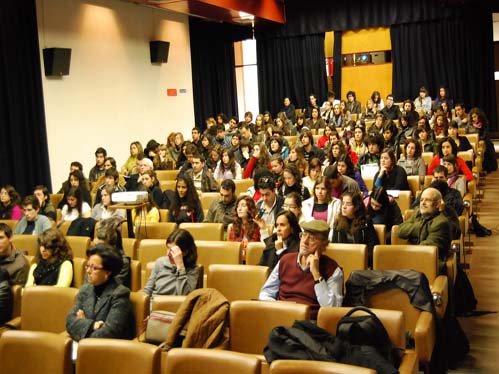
(342, 223)
(54, 240)
(232, 161)
(185, 241)
(237, 224)
(15, 199)
(293, 223)
(78, 195)
(191, 199)
(379, 195)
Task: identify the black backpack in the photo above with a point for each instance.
(367, 330)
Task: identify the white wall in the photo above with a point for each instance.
(113, 95)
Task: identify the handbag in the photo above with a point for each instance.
(158, 324)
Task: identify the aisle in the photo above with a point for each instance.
(483, 331)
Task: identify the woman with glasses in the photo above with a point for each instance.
(285, 239)
(292, 202)
(53, 262)
(353, 225)
(102, 308)
(176, 273)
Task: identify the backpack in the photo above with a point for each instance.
(367, 330)
(478, 228)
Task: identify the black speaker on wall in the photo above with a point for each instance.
(56, 61)
(159, 51)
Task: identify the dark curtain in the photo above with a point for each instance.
(23, 135)
(456, 52)
(317, 16)
(213, 68)
(293, 67)
(337, 62)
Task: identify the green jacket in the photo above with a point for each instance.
(435, 230)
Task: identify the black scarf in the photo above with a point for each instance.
(46, 273)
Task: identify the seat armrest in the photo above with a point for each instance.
(14, 324)
(409, 363)
(425, 336)
(440, 288)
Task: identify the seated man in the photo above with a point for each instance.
(307, 277)
(269, 204)
(202, 178)
(428, 225)
(46, 207)
(11, 259)
(341, 183)
(222, 208)
(32, 223)
(112, 178)
(98, 169)
(135, 181)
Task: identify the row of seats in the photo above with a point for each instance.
(250, 324)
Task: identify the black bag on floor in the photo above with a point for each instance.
(464, 296)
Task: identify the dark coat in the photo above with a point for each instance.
(269, 256)
(113, 307)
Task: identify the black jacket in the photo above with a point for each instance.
(269, 256)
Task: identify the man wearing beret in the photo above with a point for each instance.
(307, 277)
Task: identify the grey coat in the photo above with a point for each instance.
(113, 307)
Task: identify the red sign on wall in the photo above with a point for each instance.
(171, 92)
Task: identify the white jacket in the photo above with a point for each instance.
(333, 209)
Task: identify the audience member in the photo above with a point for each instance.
(423, 101)
(411, 161)
(308, 276)
(222, 208)
(390, 175)
(227, 167)
(340, 183)
(76, 179)
(101, 210)
(130, 165)
(75, 207)
(98, 169)
(6, 297)
(391, 110)
(383, 209)
(32, 223)
(12, 259)
(46, 207)
(244, 227)
(10, 203)
(185, 205)
(270, 203)
(53, 261)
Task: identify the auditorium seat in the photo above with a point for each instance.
(254, 252)
(349, 257)
(204, 230)
(26, 243)
(79, 245)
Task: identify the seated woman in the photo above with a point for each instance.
(293, 183)
(453, 179)
(346, 167)
(227, 167)
(101, 211)
(151, 185)
(292, 203)
(390, 175)
(276, 146)
(384, 210)
(322, 206)
(314, 172)
(75, 207)
(163, 160)
(297, 158)
(357, 142)
(76, 180)
(149, 213)
(411, 161)
(10, 203)
(462, 142)
(108, 231)
(129, 167)
(445, 147)
(321, 143)
(353, 225)
(53, 262)
(102, 308)
(260, 159)
(176, 273)
(244, 229)
(286, 239)
(424, 135)
(185, 205)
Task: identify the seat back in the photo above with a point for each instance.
(237, 282)
(315, 367)
(254, 251)
(130, 246)
(44, 308)
(163, 215)
(17, 293)
(392, 320)
(55, 198)
(26, 243)
(404, 200)
(106, 356)
(135, 275)
(169, 303)
(166, 175)
(78, 272)
(167, 185)
(140, 306)
(207, 198)
(414, 184)
(218, 252)
(47, 353)
(395, 236)
(380, 232)
(12, 223)
(204, 230)
(213, 361)
(349, 257)
(252, 321)
(79, 245)
(242, 185)
(421, 258)
(150, 250)
(158, 230)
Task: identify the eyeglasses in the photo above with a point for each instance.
(309, 236)
(93, 268)
(286, 206)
